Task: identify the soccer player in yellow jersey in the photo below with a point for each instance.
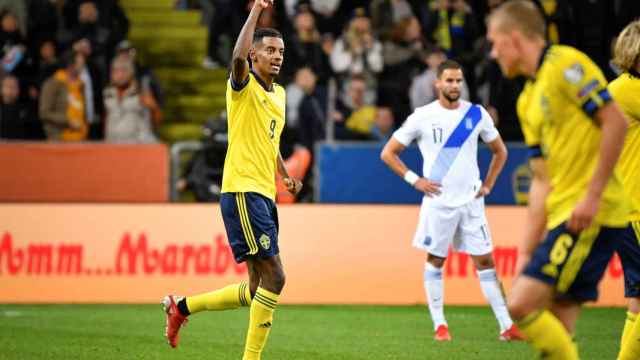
(626, 92)
(256, 111)
(577, 207)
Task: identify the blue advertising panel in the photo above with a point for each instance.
(354, 173)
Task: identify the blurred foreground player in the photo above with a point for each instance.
(626, 92)
(575, 134)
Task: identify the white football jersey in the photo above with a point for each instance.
(448, 141)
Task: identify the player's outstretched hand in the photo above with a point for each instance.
(583, 215)
(430, 188)
(263, 4)
(293, 185)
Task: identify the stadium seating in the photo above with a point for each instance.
(173, 43)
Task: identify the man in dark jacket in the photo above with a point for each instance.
(17, 120)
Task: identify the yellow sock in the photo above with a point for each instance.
(547, 334)
(628, 326)
(630, 348)
(262, 308)
(229, 297)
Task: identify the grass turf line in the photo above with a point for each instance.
(299, 332)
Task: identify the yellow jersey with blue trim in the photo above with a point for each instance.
(626, 92)
(557, 115)
(255, 117)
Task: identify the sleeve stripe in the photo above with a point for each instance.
(604, 95)
(590, 107)
(535, 151)
(238, 87)
(596, 102)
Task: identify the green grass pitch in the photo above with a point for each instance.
(299, 332)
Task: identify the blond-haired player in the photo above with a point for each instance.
(626, 91)
(575, 133)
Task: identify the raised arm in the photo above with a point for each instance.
(239, 63)
(499, 151)
(614, 128)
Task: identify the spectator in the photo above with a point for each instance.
(46, 64)
(129, 109)
(385, 14)
(43, 21)
(62, 102)
(383, 126)
(557, 15)
(88, 29)
(93, 84)
(103, 25)
(19, 10)
(144, 74)
(594, 28)
(423, 89)
(111, 17)
(13, 46)
(357, 52)
(326, 16)
(353, 117)
(219, 24)
(306, 47)
(17, 121)
(402, 62)
(306, 109)
(452, 26)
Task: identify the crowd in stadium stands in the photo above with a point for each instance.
(383, 54)
(69, 74)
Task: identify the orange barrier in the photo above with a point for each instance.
(297, 165)
(84, 172)
(331, 254)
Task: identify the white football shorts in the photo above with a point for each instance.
(464, 228)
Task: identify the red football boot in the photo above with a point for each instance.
(174, 319)
(442, 333)
(512, 334)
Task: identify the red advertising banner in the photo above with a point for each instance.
(84, 172)
(331, 254)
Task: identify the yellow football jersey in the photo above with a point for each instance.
(626, 91)
(556, 110)
(255, 117)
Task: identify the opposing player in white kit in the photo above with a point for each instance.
(452, 212)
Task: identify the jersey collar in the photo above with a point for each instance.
(261, 82)
(634, 73)
(541, 59)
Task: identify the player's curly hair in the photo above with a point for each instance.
(627, 50)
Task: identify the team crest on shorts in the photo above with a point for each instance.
(265, 241)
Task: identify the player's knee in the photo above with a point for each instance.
(484, 262)
(278, 281)
(436, 261)
(274, 281)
